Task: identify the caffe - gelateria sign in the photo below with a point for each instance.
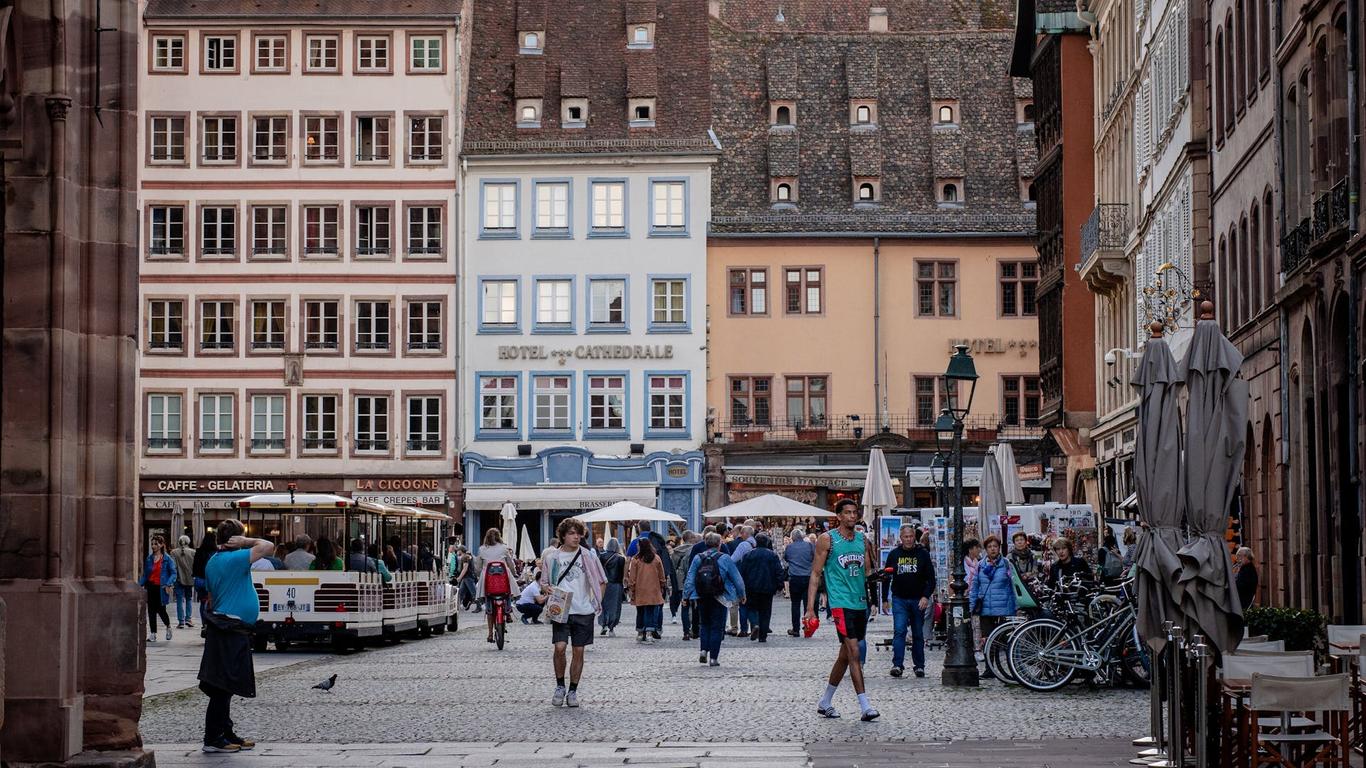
(563, 355)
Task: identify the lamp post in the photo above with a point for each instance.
(960, 660)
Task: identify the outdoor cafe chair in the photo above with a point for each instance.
(1253, 638)
(1265, 645)
(1344, 649)
(1281, 698)
(1235, 717)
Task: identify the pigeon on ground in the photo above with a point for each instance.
(327, 684)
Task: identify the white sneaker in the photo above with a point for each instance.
(151, 637)
(673, 619)
(572, 700)
(168, 633)
(558, 699)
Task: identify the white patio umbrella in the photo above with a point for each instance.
(525, 551)
(878, 496)
(628, 512)
(768, 505)
(509, 515)
(1010, 475)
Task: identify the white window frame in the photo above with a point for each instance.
(218, 231)
(275, 152)
(426, 142)
(166, 239)
(217, 329)
(552, 207)
(425, 318)
(608, 212)
(680, 299)
(164, 422)
(606, 394)
(322, 231)
(166, 325)
(276, 222)
(425, 410)
(163, 130)
(168, 53)
(375, 236)
(276, 53)
(372, 427)
(495, 310)
(217, 427)
(315, 418)
(268, 423)
(554, 303)
(668, 399)
(420, 49)
(275, 338)
(499, 394)
(322, 324)
(374, 328)
(595, 319)
(553, 405)
(325, 130)
(499, 209)
(669, 210)
(425, 230)
(218, 139)
(325, 53)
(378, 53)
(381, 138)
(227, 53)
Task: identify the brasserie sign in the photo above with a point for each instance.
(563, 355)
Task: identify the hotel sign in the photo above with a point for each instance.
(562, 355)
(995, 346)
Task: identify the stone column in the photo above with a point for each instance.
(67, 464)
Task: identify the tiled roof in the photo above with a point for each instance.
(427, 10)
(585, 56)
(834, 16)
(903, 149)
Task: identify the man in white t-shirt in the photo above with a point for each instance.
(531, 603)
(576, 570)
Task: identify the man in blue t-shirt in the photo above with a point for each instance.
(226, 667)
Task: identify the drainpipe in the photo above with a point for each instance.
(58, 103)
(1283, 319)
(877, 330)
(1353, 204)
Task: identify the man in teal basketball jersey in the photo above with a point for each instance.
(843, 557)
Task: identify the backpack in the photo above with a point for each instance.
(1113, 566)
(496, 581)
(709, 581)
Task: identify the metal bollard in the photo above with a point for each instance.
(1153, 747)
(1199, 653)
(1176, 733)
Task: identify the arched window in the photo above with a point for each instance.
(530, 40)
(1033, 193)
(946, 114)
(1239, 53)
(864, 114)
(1235, 269)
(641, 34)
(1219, 105)
(784, 193)
(865, 191)
(1229, 76)
(1269, 267)
(528, 114)
(784, 116)
(950, 193)
(1255, 262)
(1264, 35)
(1223, 278)
(1249, 64)
(1246, 273)
(1029, 112)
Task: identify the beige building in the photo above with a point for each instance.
(297, 202)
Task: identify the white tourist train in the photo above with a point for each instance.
(349, 600)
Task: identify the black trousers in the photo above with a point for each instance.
(218, 717)
(675, 598)
(155, 607)
(797, 586)
(762, 607)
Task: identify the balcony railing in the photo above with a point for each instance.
(321, 344)
(1106, 228)
(424, 446)
(977, 427)
(320, 444)
(267, 443)
(378, 444)
(163, 444)
(1295, 247)
(215, 443)
(1330, 211)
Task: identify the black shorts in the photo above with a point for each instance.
(850, 623)
(577, 630)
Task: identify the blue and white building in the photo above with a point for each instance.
(583, 361)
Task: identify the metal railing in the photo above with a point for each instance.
(1107, 227)
(376, 444)
(215, 443)
(428, 446)
(163, 443)
(267, 443)
(978, 427)
(320, 443)
(1295, 247)
(1330, 211)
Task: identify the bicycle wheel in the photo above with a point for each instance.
(1036, 652)
(1134, 663)
(996, 650)
(500, 628)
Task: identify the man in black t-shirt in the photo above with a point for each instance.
(913, 586)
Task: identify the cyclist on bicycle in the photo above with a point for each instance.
(496, 567)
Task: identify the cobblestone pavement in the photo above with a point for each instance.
(457, 688)
(172, 664)
(1073, 753)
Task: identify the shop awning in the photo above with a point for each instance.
(924, 477)
(558, 496)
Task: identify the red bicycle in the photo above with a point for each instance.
(497, 587)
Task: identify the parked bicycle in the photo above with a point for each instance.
(1094, 633)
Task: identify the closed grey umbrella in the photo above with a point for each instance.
(1216, 425)
(1158, 483)
(993, 502)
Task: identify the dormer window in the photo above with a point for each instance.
(867, 190)
(532, 43)
(782, 113)
(945, 112)
(641, 113)
(528, 113)
(1024, 112)
(640, 36)
(783, 190)
(862, 112)
(950, 192)
(574, 113)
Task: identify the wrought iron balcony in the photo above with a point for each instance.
(320, 444)
(1295, 247)
(215, 443)
(424, 446)
(1330, 211)
(267, 443)
(978, 427)
(163, 443)
(1107, 228)
(379, 444)
(321, 344)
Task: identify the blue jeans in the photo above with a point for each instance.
(649, 618)
(184, 600)
(906, 614)
(711, 625)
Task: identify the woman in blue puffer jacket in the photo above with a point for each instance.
(992, 596)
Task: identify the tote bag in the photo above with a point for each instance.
(557, 603)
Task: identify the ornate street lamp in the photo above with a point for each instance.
(960, 661)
